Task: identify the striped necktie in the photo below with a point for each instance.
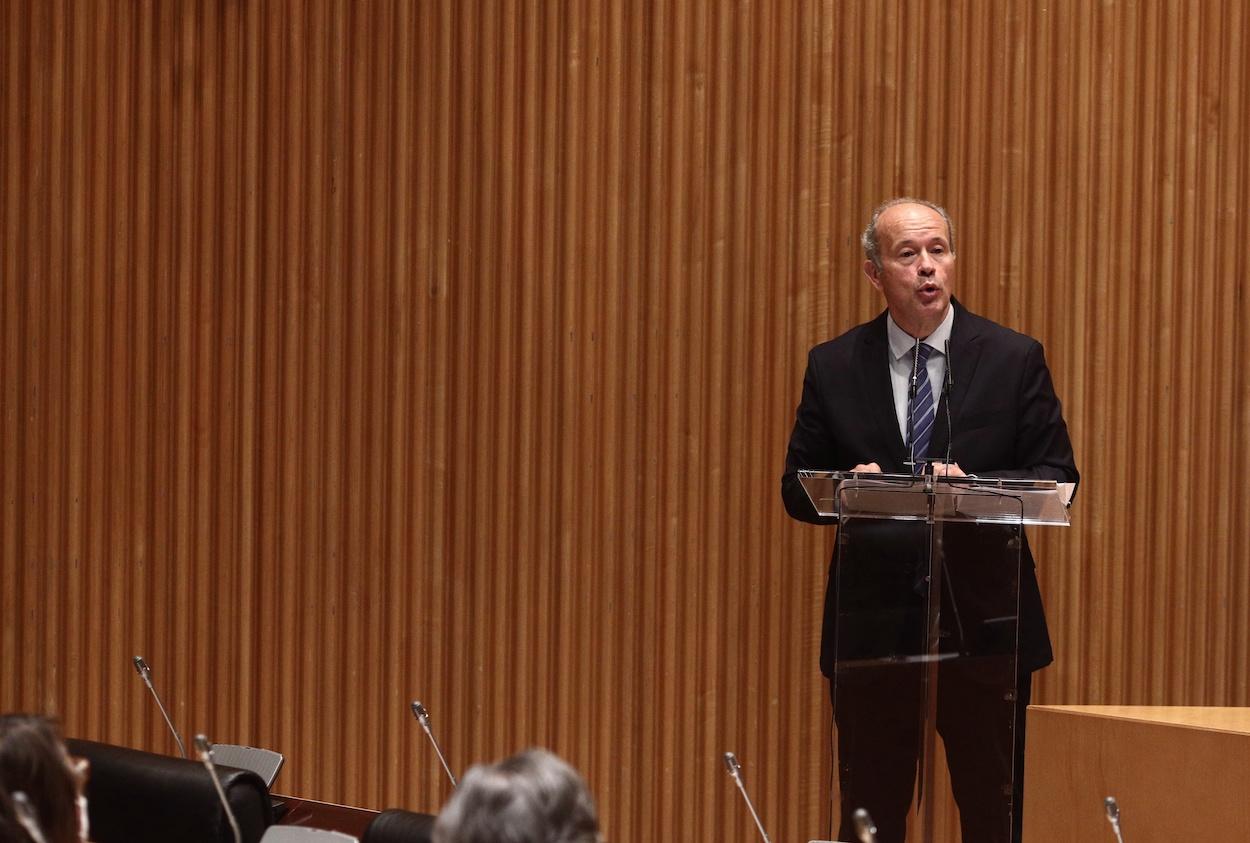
(922, 409)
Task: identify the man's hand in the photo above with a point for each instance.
(870, 468)
(947, 469)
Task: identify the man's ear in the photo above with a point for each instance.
(870, 269)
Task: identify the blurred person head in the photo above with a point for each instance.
(531, 797)
(33, 761)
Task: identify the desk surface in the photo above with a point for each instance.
(326, 815)
(1214, 718)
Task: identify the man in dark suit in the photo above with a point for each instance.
(857, 412)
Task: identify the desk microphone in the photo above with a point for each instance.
(145, 673)
(735, 770)
(865, 828)
(1113, 816)
(205, 750)
(423, 717)
(26, 817)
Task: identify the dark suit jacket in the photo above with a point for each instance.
(1006, 419)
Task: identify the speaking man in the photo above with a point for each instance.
(997, 415)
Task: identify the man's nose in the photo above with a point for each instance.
(925, 265)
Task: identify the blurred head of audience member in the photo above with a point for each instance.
(532, 797)
(35, 767)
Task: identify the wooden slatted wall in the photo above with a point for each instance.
(353, 353)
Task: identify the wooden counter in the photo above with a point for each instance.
(1177, 772)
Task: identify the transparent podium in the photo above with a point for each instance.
(926, 592)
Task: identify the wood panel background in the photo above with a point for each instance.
(353, 353)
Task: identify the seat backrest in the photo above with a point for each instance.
(399, 826)
(263, 762)
(303, 834)
(141, 797)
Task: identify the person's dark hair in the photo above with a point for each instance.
(531, 797)
(33, 761)
(872, 247)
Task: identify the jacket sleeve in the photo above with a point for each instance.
(810, 447)
(1042, 449)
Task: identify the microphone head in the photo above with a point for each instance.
(141, 667)
(1113, 809)
(24, 813)
(203, 747)
(865, 828)
(731, 764)
(419, 712)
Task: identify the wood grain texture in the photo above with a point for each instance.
(352, 353)
(1174, 772)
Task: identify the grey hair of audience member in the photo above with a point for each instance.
(872, 247)
(531, 797)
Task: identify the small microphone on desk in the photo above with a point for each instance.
(423, 717)
(205, 750)
(735, 770)
(26, 817)
(865, 828)
(145, 673)
(1113, 816)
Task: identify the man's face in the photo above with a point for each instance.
(917, 267)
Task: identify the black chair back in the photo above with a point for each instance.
(141, 797)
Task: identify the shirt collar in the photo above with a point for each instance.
(903, 343)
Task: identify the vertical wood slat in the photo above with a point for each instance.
(352, 354)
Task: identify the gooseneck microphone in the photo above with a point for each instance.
(145, 673)
(205, 750)
(423, 717)
(26, 817)
(948, 384)
(911, 399)
(865, 828)
(735, 770)
(1113, 816)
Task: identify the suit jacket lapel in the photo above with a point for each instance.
(874, 370)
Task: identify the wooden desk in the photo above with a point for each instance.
(326, 815)
(1178, 773)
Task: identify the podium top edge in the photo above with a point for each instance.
(914, 479)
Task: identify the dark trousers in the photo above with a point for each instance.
(980, 718)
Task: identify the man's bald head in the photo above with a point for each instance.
(869, 239)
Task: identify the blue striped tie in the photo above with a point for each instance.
(922, 410)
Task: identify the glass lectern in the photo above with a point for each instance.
(926, 585)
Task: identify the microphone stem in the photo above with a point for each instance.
(181, 748)
(947, 382)
(439, 752)
(751, 807)
(911, 398)
(26, 817)
(221, 794)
